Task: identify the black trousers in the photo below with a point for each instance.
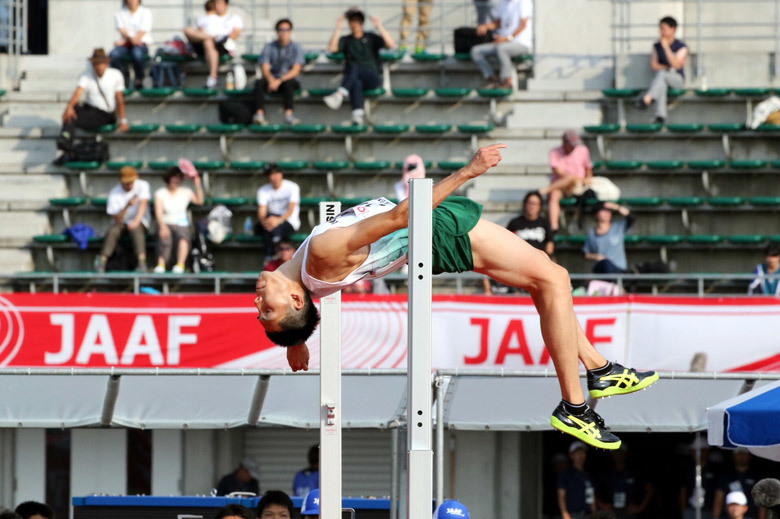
(87, 118)
(286, 89)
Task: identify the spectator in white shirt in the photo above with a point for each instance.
(101, 88)
(512, 36)
(128, 205)
(170, 211)
(134, 24)
(215, 35)
(278, 208)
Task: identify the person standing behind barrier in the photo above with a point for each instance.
(761, 285)
(134, 23)
(576, 495)
(308, 479)
(741, 478)
(278, 208)
(512, 36)
(215, 35)
(280, 64)
(244, 479)
(104, 102)
(128, 205)
(667, 62)
(423, 8)
(170, 210)
(362, 64)
(414, 167)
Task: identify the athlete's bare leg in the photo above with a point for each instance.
(508, 259)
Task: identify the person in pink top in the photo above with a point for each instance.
(572, 172)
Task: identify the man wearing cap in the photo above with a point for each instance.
(311, 503)
(571, 171)
(451, 509)
(576, 495)
(278, 208)
(101, 89)
(736, 505)
(275, 504)
(362, 64)
(740, 479)
(243, 479)
(128, 205)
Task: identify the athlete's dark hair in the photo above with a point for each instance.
(31, 508)
(297, 325)
(274, 497)
(668, 20)
(234, 510)
(283, 20)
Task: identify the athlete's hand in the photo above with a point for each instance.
(484, 159)
(298, 357)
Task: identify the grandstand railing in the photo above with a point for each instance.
(701, 284)
(13, 35)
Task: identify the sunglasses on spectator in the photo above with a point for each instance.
(283, 29)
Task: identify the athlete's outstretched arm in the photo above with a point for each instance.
(343, 241)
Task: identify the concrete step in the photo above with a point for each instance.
(39, 188)
(14, 259)
(23, 225)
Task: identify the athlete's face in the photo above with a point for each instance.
(274, 296)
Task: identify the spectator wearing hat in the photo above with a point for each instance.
(737, 505)
(362, 64)
(309, 478)
(215, 35)
(576, 495)
(572, 170)
(280, 65)
(275, 504)
(101, 88)
(244, 479)
(605, 243)
(234, 512)
(512, 36)
(771, 266)
(278, 208)
(667, 61)
(134, 24)
(739, 479)
(451, 509)
(171, 203)
(311, 503)
(128, 205)
(34, 510)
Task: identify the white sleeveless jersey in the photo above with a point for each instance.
(385, 255)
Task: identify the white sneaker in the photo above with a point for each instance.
(211, 82)
(159, 269)
(334, 100)
(358, 117)
(177, 269)
(258, 119)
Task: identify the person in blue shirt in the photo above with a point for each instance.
(605, 245)
(667, 62)
(308, 479)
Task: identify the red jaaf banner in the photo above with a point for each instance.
(220, 331)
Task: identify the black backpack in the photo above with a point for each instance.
(89, 150)
(236, 112)
(466, 37)
(202, 259)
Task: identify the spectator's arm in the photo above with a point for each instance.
(549, 248)
(120, 111)
(120, 28)
(520, 28)
(591, 251)
(290, 210)
(562, 504)
(197, 196)
(139, 216)
(646, 498)
(655, 66)
(235, 34)
(333, 43)
(158, 215)
(293, 73)
(486, 286)
(265, 70)
(70, 112)
(262, 211)
(389, 42)
(680, 58)
(612, 206)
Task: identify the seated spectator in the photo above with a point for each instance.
(234, 512)
(134, 24)
(512, 36)
(763, 285)
(311, 503)
(414, 167)
(605, 244)
(280, 64)
(34, 510)
(308, 479)
(737, 505)
(275, 504)
(423, 8)
(739, 479)
(215, 35)
(170, 211)
(451, 509)
(362, 64)
(285, 250)
(278, 208)
(572, 171)
(667, 61)
(244, 479)
(128, 204)
(102, 89)
(576, 497)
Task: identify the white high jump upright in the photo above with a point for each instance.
(330, 392)
(419, 479)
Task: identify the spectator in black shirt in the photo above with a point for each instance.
(243, 479)
(741, 478)
(622, 490)
(362, 65)
(576, 495)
